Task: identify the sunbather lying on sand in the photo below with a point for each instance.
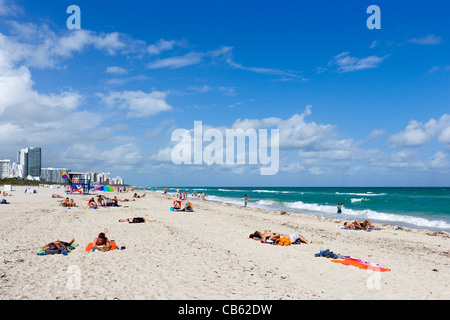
(57, 244)
(269, 235)
(135, 195)
(357, 225)
(101, 240)
(136, 220)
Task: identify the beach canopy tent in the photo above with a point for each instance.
(7, 187)
(29, 190)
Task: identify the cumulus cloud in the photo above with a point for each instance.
(138, 103)
(295, 132)
(47, 49)
(417, 133)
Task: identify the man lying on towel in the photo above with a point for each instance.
(136, 220)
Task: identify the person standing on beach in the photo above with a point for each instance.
(339, 207)
(245, 200)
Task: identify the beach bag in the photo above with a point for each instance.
(103, 249)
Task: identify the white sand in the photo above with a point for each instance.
(207, 254)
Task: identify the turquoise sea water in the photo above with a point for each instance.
(427, 208)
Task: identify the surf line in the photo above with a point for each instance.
(206, 311)
(191, 146)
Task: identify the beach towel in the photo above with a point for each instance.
(57, 251)
(362, 264)
(349, 261)
(91, 244)
(274, 242)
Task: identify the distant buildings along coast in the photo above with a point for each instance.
(28, 167)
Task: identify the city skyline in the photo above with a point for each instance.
(28, 167)
(354, 106)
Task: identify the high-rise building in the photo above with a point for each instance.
(22, 161)
(34, 162)
(5, 169)
(30, 160)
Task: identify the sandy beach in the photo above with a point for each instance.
(206, 254)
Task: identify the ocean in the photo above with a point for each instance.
(413, 207)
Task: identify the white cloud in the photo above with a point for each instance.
(427, 40)
(188, 59)
(38, 46)
(269, 71)
(138, 103)
(376, 133)
(295, 132)
(160, 46)
(439, 160)
(88, 155)
(8, 9)
(444, 136)
(417, 133)
(346, 63)
(17, 93)
(116, 70)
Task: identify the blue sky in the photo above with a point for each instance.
(354, 106)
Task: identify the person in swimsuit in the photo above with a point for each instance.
(92, 203)
(58, 244)
(188, 207)
(266, 235)
(101, 240)
(357, 225)
(245, 200)
(269, 235)
(136, 220)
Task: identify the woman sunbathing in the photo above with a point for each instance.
(357, 225)
(269, 235)
(58, 244)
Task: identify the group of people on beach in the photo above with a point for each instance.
(103, 201)
(183, 195)
(287, 239)
(101, 242)
(68, 203)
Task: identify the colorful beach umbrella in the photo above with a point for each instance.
(103, 188)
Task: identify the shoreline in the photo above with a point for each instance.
(384, 223)
(206, 254)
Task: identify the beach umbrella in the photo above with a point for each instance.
(103, 188)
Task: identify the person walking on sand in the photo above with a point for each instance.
(245, 200)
